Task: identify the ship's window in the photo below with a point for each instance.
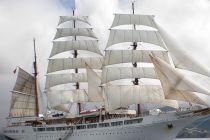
(116, 123)
(40, 129)
(92, 126)
(103, 124)
(60, 128)
(81, 126)
(50, 129)
(133, 121)
(16, 131)
(69, 127)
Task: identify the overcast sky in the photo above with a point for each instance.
(188, 21)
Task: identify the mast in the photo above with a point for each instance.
(136, 80)
(75, 56)
(35, 75)
(89, 44)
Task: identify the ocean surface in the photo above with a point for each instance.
(198, 130)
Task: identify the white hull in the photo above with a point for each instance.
(151, 128)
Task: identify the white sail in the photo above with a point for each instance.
(176, 85)
(59, 79)
(120, 36)
(117, 96)
(57, 97)
(94, 82)
(181, 59)
(73, 18)
(133, 19)
(63, 46)
(186, 96)
(65, 32)
(116, 73)
(127, 56)
(23, 101)
(73, 63)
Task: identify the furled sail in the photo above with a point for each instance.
(23, 101)
(128, 56)
(117, 96)
(181, 59)
(73, 18)
(63, 46)
(131, 19)
(117, 73)
(120, 36)
(72, 63)
(65, 32)
(176, 85)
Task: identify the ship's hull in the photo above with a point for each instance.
(152, 128)
(156, 131)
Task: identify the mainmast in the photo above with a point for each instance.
(135, 45)
(75, 56)
(35, 76)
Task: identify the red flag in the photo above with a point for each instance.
(14, 71)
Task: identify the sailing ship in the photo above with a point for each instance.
(153, 76)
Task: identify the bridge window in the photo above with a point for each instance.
(92, 126)
(133, 121)
(50, 129)
(40, 129)
(81, 126)
(60, 128)
(69, 127)
(103, 124)
(116, 123)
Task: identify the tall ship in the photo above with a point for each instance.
(96, 97)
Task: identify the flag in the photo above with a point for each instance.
(68, 4)
(14, 71)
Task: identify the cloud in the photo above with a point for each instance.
(20, 22)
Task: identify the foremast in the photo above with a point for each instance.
(82, 43)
